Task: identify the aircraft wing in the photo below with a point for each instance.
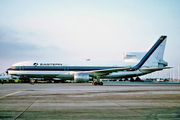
(106, 71)
(153, 69)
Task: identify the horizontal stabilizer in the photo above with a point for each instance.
(153, 69)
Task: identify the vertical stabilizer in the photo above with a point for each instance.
(154, 57)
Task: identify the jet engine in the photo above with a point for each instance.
(81, 77)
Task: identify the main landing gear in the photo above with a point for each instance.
(97, 81)
(136, 80)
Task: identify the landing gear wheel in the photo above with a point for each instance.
(32, 82)
(132, 79)
(138, 79)
(95, 83)
(100, 83)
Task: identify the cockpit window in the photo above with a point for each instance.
(12, 67)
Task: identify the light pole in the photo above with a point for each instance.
(170, 74)
(173, 74)
(178, 73)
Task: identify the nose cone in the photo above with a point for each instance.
(7, 70)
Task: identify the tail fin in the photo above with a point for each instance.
(154, 55)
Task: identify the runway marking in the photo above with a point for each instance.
(10, 94)
(17, 116)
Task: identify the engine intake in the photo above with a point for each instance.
(81, 77)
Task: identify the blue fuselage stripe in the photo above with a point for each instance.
(58, 68)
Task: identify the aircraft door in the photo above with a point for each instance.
(66, 68)
(21, 68)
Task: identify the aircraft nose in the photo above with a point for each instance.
(6, 71)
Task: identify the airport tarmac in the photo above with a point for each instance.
(77, 101)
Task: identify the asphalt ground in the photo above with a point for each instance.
(81, 101)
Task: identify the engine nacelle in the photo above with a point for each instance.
(81, 77)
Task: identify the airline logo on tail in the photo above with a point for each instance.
(161, 38)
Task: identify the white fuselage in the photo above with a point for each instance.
(65, 70)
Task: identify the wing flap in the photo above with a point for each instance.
(105, 71)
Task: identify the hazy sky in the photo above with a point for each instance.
(101, 30)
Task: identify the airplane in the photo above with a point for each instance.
(83, 72)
